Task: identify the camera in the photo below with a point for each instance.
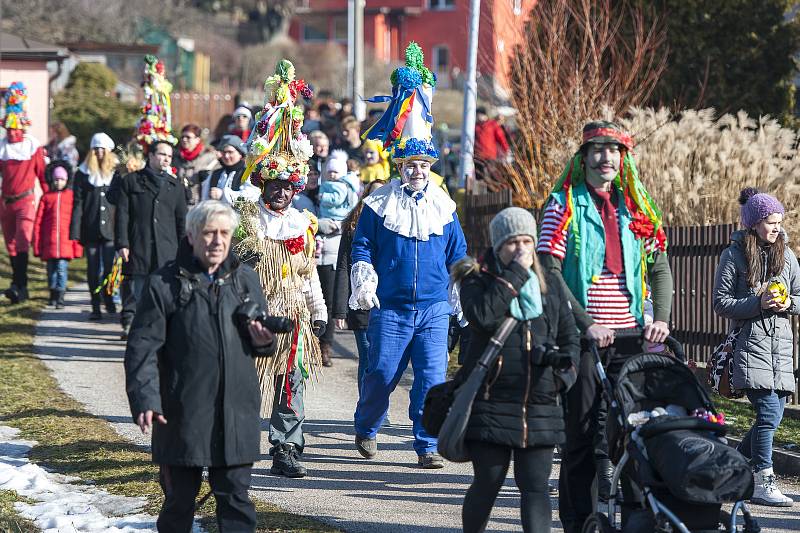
(547, 355)
(250, 310)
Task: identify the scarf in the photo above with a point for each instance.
(191, 155)
(528, 305)
(608, 214)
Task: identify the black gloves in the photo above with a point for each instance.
(547, 355)
(319, 328)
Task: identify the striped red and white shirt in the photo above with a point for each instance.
(608, 299)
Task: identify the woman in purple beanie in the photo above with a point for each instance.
(757, 287)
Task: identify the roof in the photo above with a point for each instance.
(94, 46)
(16, 47)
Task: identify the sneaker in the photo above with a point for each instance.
(286, 462)
(12, 293)
(430, 461)
(368, 448)
(766, 491)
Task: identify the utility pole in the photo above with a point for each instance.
(466, 171)
(355, 56)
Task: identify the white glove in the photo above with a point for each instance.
(328, 226)
(363, 285)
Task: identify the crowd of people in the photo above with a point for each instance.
(239, 259)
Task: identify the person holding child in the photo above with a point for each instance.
(51, 241)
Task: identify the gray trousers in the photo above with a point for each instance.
(288, 412)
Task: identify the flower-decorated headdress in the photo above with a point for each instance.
(16, 116)
(277, 149)
(405, 126)
(156, 120)
(647, 224)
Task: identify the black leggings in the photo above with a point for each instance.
(531, 472)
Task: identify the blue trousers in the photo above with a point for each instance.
(362, 345)
(757, 443)
(395, 338)
(57, 274)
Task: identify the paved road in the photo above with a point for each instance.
(388, 494)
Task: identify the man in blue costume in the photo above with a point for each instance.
(407, 238)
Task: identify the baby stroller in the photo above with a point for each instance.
(680, 464)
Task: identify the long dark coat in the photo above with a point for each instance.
(150, 218)
(92, 212)
(187, 359)
(519, 403)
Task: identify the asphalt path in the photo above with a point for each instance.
(387, 494)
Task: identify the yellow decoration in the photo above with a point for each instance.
(779, 292)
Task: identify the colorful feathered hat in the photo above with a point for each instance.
(405, 126)
(277, 149)
(15, 115)
(156, 120)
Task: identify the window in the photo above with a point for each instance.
(315, 29)
(441, 64)
(340, 29)
(441, 5)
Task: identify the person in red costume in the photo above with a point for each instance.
(21, 164)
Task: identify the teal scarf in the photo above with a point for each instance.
(528, 305)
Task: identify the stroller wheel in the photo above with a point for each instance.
(598, 523)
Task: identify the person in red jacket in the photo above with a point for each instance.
(21, 164)
(491, 143)
(51, 240)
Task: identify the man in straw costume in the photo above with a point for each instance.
(278, 240)
(407, 238)
(603, 234)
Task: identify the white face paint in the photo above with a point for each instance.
(416, 174)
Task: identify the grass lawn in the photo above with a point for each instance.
(740, 415)
(72, 441)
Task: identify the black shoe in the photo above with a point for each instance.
(286, 462)
(60, 300)
(12, 293)
(51, 301)
(126, 328)
(430, 461)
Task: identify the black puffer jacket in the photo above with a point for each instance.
(519, 404)
(187, 359)
(150, 219)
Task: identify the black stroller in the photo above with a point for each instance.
(680, 464)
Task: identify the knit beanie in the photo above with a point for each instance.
(757, 206)
(101, 140)
(511, 222)
(234, 141)
(337, 161)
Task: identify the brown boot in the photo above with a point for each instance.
(326, 353)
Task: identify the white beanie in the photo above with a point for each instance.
(243, 110)
(337, 162)
(101, 140)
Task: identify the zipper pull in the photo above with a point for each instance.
(528, 337)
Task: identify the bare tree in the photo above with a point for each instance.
(580, 60)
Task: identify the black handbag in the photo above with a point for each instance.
(437, 404)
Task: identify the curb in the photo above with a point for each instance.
(784, 462)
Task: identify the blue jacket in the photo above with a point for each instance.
(412, 274)
(338, 198)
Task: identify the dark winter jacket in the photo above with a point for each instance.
(356, 319)
(150, 219)
(92, 213)
(192, 172)
(51, 228)
(187, 359)
(519, 404)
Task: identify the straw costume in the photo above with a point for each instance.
(407, 237)
(280, 247)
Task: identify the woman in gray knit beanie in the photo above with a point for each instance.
(516, 412)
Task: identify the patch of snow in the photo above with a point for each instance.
(61, 507)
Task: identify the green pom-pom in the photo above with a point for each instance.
(414, 56)
(428, 77)
(285, 69)
(393, 78)
(150, 59)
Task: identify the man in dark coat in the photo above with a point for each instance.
(151, 210)
(190, 373)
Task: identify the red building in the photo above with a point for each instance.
(439, 26)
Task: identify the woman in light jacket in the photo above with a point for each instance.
(745, 293)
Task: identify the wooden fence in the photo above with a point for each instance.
(694, 254)
(205, 110)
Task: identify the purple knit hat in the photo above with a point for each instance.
(757, 206)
